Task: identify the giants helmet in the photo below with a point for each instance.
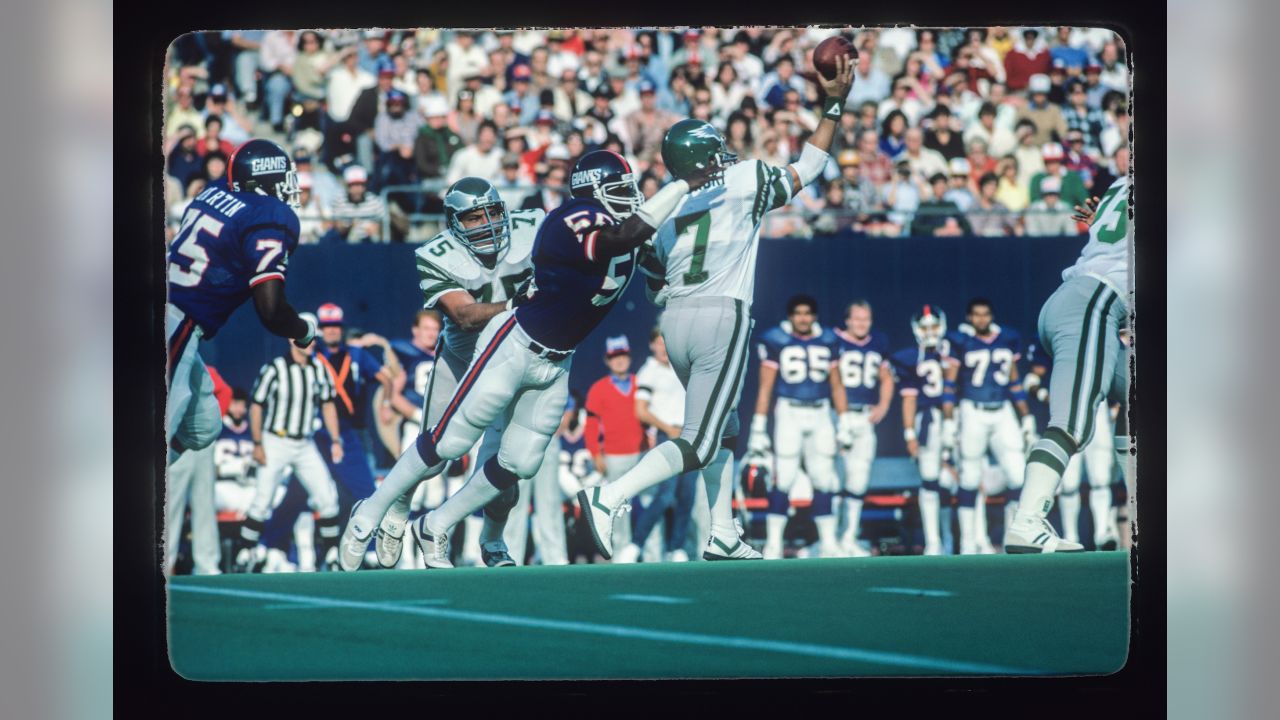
(264, 167)
(492, 237)
(608, 178)
(929, 325)
(692, 146)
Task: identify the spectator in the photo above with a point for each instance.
(246, 44)
(893, 134)
(774, 85)
(1093, 87)
(941, 135)
(1116, 132)
(938, 216)
(980, 163)
(677, 98)
(213, 140)
(424, 87)
(1114, 75)
(185, 162)
(394, 132)
(464, 119)
(1029, 56)
(1072, 55)
(326, 187)
(279, 52)
(614, 436)
(988, 217)
(1050, 126)
(483, 159)
(311, 222)
(591, 74)
(357, 215)
(483, 96)
(693, 51)
(310, 67)
(748, 67)
(183, 114)
(552, 194)
(899, 101)
(884, 57)
(1078, 161)
(1011, 192)
(1001, 42)
(214, 167)
(738, 138)
(958, 192)
(858, 194)
(1029, 155)
(372, 52)
(649, 185)
(998, 141)
(1084, 119)
(873, 165)
(1069, 187)
(370, 102)
(512, 186)
(436, 142)
(727, 91)
(1049, 215)
(866, 119)
(236, 128)
(870, 84)
(540, 68)
(520, 97)
(902, 198)
(570, 100)
(979, 61)
(647, 126)
(1119, 168)
(466, 58)
(346, 82)
(923, 161)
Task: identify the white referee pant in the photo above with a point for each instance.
(308, 467)
(548, 509)
(192, 415)
(804, 431)
(994, 427)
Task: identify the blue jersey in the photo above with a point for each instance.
(417, 365)
(353, 371)
(233, 451)
(921, 373)
(228, 242)
(985, 364)
(860, 364)
(803, 364)
(575, 287)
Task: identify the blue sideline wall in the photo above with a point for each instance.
(376, 285)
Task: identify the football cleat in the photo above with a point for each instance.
(1036, 535)
(831, 550)
(251, 559)
(933, 549)
(388, 541)
(678, 555)
(738, 549)
(277, 562)
(435, 548)
(494, 554)
(351, 547)
(600, 519)
(628, 555)
(331, 563)
(772, 552)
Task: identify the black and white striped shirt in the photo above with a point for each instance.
(292, 393)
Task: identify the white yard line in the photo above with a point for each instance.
(309, 605)
(893, 659)
(660, 599)
(918, 592)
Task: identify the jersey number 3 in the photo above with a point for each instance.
(187, 245)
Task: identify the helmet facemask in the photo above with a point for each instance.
(620, 197)
(289, 191)
(929, 329)
(491, 237)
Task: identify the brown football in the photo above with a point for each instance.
(824, 56)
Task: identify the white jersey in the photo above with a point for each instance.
(1106, 255)
(658, 384)
(445, 265)
(708, 246)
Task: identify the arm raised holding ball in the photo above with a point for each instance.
(814, 156)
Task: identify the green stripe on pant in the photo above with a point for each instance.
(1082, 360)
(707, 415)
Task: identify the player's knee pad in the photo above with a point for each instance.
(822, 473)
(822, 502)
(522, 450)
(967, 497)
(786, 467)
(500, 507)
(1014, 466)
(779, 502)
(971, 473)
(857, 474)
(499, 475)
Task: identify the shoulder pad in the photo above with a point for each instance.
(523, 234)
(446, 255)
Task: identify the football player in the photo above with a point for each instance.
(1098, 460)
(920, 370)
(472, 271)
(797, 358)
(868, 384)
(584, 256)
(234, 242)
(1080, 328)
(983, 381)
(704, 264)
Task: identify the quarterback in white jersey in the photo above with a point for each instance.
(701, 264)
(471, 271)
(1080, 327)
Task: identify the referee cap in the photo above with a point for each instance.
(329, 314)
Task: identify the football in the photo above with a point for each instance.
(824, 56)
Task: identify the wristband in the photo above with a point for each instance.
(908, 434)
(832, 107)
(1018, 395)
(949, 398)
(759, 423)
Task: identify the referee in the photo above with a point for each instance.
(282, 420)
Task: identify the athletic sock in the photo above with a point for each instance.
(326, 537)
(408, 471)
(966, 513)
(853, 517)
(398, 513)
(1069, 508)
(826, 525)
(718, 477)
(774, 525)
(1011, 505)
(485, 484)
(1037, 491)
(929, 504)
(980, 532)
(1100, 508)
(660, 463)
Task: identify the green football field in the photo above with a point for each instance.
(983, 615)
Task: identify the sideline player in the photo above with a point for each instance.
(584, 257)
(471, 271)
(1098, 460)
(234, 242)
(868, 385)
(920, 370)
(984, 379)
(706, 254)
(797, 359)
(1080, 327)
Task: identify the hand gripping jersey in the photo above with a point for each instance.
(803, 363)
(227, 243)
(859, 363)
(985, 364)
(445, 265)
(708, 246)
(575, 287)
(417, 365)
(1106, 255)
(920, 372)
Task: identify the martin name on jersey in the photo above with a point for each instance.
(225, 245)
(445, 265)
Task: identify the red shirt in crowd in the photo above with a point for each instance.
(1020, 64)
(613, 414)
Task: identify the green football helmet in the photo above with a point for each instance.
(492, 237)
(691, 146)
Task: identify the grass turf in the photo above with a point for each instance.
(975, 615)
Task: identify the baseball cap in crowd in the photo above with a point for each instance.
(394, 95)
(1059, 65)
(848, 157)
(937, 178)
(1074, 136)
(1052, 152)
(328, 315)
(521, 73)
(304, 181)
(545, 116)
(1093, 67)
(557, 152)
(1039, 83)
(218, 91)
(373, 34)
(959, 166)
(353, 174)
(603, 91)
(633, 51)
(647, 87)
(1050, 185)
(435, 106)
(386, 67)
(301, 157)
(691, 34)
(510, 160)
(616, 346)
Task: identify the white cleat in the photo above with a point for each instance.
(933, 548)
(600, 519)
(1036, 535)
(627, 555)
(678, 555)
(735, 549)
(351, 547)
(985, 547)
(435, 548)
(830, 551)
(277, 562)
(772, 551)
(496, 554)
(388, 541)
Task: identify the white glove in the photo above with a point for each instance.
(312, 329)
(845, 430)
(759, 442)
(949, 432)
(1029, 434)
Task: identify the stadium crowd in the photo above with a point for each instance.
(959, 131)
